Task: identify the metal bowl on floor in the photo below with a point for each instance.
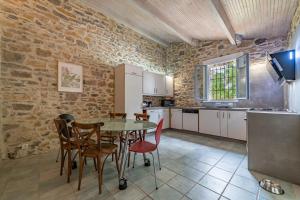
(270, 186)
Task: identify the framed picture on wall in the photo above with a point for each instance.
(70, 78)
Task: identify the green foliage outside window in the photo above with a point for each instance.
(222, 81)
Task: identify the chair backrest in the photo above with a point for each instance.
(68, 117)
(158, 131)
(141, 116)
(62, 130)
(117, 115)
(89, 130)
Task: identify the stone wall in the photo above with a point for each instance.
(264, 92)
(35, 35)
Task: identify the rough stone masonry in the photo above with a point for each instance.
(35, 35)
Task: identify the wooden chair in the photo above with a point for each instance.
(68, 118)
(67, 144)
(107, 136)
(95, 150)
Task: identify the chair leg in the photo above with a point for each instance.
(62, 161)
(158, 159)
(95, 164)
(69, 165)
(120, 148)
(154, 170)
(81, 163)
(117, 163)
(134, 159)
(128, 163)
(100, 172)
(57, 157)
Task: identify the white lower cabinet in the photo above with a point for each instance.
(190, 121)
(209, 122)
(157, 114)
(237, 125)
(166, 116)
(223, 123)
(176, 118)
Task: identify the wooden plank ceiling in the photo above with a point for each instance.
(166, 21)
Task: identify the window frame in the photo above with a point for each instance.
(205, 78)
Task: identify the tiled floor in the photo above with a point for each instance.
(193, 167)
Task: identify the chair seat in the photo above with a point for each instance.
(142, 147)
(106, 148)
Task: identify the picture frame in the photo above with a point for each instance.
(70, 77)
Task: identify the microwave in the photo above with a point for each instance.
(167, 102)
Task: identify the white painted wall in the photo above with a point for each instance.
(294, 88)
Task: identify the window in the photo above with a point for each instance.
(227, 80)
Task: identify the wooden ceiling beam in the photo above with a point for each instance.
(224, 20)
(156, 13)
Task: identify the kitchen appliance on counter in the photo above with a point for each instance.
(167, 103)
(147, 104)
(274, 144)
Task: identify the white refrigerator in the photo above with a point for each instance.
(128, 89)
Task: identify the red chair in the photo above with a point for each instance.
(143, 146)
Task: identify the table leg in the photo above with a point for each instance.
(122, 179)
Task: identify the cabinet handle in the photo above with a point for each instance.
(229, 115)
(223, 114)
(217, 114)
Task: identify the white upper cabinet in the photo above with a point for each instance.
(169, 86)
(160, 84)
(149, 80)
(157, 84)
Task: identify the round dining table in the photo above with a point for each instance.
(121, 125)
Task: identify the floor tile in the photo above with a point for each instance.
(235, 193)
(245, 183)
(181, 184)
(202, 193)
(227, 166)
(191, 174)
(166, 193)
(131, 193)
(221, 174)
(147, 184)
(164, 174)
(213, 184)
(201, 166)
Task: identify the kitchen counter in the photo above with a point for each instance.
(200, 108)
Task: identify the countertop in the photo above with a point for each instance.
(200, 108)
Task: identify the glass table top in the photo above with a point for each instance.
(120, 124)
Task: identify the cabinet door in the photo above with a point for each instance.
(149, 80)
(223, 123)
(237, 125)
(160, 84)
(209, 122)
(133, 95)
(176, 118)
(190, 121)
(166, 116)
(153, 117)
(169, 86)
